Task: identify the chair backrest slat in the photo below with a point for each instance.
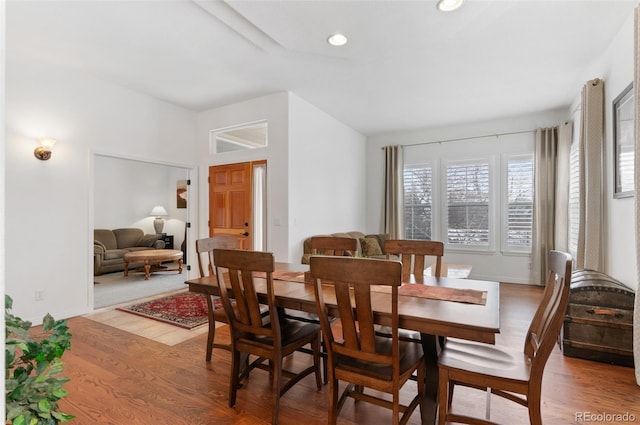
(412, 254)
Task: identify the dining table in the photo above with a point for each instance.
(437, 308)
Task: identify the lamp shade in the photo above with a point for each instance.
(158, 211)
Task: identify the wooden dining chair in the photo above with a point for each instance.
(273, 341)
(514, 375)
(334, 245)
(204, 251)
(412, 254)
(360, 357)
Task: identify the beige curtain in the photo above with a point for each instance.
(636, 97)
(394, 192)
(589, 252)
(544, 202)
(565, 135)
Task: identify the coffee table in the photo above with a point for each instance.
(153, 257)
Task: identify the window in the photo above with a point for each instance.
(418, 189)
(574, 197)
(467, 203)
(519, 203)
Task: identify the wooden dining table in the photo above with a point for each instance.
(432, 318)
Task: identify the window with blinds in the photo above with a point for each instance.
(418, 203)
(574, 197)
(519, 208)
(467, 197)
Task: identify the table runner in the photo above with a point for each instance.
(442, 293)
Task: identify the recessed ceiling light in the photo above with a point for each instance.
(337, 39)
(448, 5)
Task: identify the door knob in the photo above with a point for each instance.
(245, 234)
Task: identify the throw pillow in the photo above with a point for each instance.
(370, 247)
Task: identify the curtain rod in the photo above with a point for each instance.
(468, 138)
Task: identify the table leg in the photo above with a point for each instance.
(126, 268)
(429, 404)
(180, 266)
(147, 270)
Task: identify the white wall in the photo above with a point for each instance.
(327, 184)
(49, 204)
(119, 203)
(315, 169)
(274, 109)
(616, 68)
(490, 266)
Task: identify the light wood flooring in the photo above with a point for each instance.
(158, 331)
(121, 376)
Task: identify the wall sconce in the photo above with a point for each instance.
(158, 223)
(43, 152)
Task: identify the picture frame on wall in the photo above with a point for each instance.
(624, 143)
(181, 194)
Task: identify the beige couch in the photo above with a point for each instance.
(109, 247)
(371, 246)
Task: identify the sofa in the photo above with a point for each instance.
(109, 247)
(370, 246)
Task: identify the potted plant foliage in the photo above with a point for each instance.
(32, 382)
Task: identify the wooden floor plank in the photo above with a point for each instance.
(118, 377)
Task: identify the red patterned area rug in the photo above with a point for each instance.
(186, 310)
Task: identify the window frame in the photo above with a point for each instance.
(434, 194)
(504, 226)
(444, 205)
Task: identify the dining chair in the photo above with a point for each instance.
(273, 341)
(360, 357)
(412, 254)
(514, 375)
(204, 251)
(332, 246)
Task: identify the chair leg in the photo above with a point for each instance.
(212, 329)
(333, 400)
(535, 416)
(396, 409)
(315, 346)
(277, 385)
(443, 396)
(234, 378)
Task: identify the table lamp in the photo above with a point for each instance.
(158, 223)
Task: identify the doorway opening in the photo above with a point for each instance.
(125, 192)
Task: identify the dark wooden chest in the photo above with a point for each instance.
(598, 324)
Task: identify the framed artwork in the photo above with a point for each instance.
(624, 143)
(181, 194)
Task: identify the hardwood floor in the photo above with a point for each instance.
(118, 377)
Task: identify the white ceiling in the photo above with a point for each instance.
(406, 65)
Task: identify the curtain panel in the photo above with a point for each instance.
(394, 192)
(565, 135)
(544, 203)
(589, 252)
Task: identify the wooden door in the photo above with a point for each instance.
(230, 201)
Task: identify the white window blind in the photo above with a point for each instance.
(418, 202)
(468, 195)
(574, 197)
(519, 214)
